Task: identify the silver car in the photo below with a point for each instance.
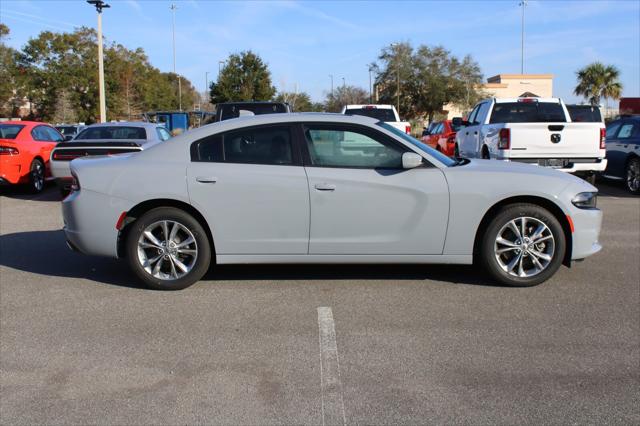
(323, 188)
(103, 139)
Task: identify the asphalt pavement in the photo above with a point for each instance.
(82, 343)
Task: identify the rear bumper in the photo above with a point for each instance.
(60, 169)
(572, 165)
(11, 170)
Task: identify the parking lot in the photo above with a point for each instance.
(81, 342)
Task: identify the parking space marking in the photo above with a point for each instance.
(331, 386)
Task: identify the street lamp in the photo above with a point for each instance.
(331, 77)
(99, 5)
(173, 8)
(370, 86)
(344, 84)
(523, 3)
(220, 63)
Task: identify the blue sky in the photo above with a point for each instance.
(305, 42)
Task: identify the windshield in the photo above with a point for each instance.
(113, 132)
(10, 131)
(415, 142)
(382, 114)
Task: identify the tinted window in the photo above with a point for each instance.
(260, 145)
(584, 114)
(53, 134)
(626, 131)
(481, 116)
(612, 129)
(527, 112)
(10, 131)
(235, 111)
(113, 132)
(40, 133)
(67, 130)
(473, 114)
(438, 129)
(343, 146)
(382, 114)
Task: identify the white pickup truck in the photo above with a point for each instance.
(386, 113)
(533, 130)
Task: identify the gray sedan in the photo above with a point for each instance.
(323, 188)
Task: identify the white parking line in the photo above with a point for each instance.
(332, 402)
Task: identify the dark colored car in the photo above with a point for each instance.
(623, 152)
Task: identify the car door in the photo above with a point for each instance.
(363, 202)
(252, 189)
(615, 154)
(46, 138)
(467, 141)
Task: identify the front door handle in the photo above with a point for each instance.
(206, 179)
(325, 187)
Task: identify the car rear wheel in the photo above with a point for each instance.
(36, 176)
(168, 249)
(632, 175)
(523, 245)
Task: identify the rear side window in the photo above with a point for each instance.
(612, 129)
(235, 111)
(10, 131)
(113, 132)
(527, 112)
(381, 114)
(39, 133)
(627, 130)
(53, 134)
(259, 145)
(584, 114)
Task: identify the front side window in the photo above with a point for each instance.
(259, 145)
(472, 116)
(346, 146)
(612, 129)
(482, 113)
(113, 132)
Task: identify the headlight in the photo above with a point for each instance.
(585, 200)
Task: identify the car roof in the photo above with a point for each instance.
(25, 123)
(372, 106)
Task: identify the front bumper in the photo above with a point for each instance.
(587, 224)
(89, 222)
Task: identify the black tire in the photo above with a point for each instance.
(485, 153)
(203, 249)
(487, 256)
(632, 176)
(36, 176)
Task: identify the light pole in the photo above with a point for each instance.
(331, 77)
(370, 87)
(344, 84)
(99, 5)
(173, 8)
(393, 46)
(220, 63)
(523, 3)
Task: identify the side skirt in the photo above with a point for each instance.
(342, 258)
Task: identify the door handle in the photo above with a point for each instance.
(325, 187)
(206, 179)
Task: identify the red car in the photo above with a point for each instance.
(442, 137)
(25, 147)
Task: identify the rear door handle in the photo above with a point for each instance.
(206, 179)
(325, 187)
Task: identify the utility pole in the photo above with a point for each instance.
(331, 77)
(344, 84)
(99, 5)
(220, 63)
(394, 46)
(523, 4)
(370, 87)
(173, 8)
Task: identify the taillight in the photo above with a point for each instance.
(603, 138)
(8, 150)
(407, 129)
(451, 139)
(505, 139)
(75, 182)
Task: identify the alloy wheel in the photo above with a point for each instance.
(633, 175)
(37, 176)
(524, 247)
(167, 250)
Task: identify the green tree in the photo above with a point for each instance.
(299, 102)
(345, 95)
(597, 81)
(245, 77)
(11, 78)
(429, 78)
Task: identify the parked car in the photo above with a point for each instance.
(24, 153)
(70, 131)
(323, 188)
(442, 137)
(584, 114)
(629, 106)
(229, 110)
(385, 113)
(536, 131)
(104, 139)
(623, 152)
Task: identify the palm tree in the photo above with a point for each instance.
(596, 81)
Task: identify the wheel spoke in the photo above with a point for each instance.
(187, 251)
(174, 231)
(523, 224)
(504, 250)
(520, 267)
(515, 229)
(538, 232)
(156, 269)
(514, 262)
(185, 242)
(179, 264)
(152, 238)
(165, 230)
(151, 261)
(541, 239)
(507, 243)
(537, 263)
(540, 255)
(174, 273)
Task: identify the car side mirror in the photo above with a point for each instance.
(411, 160)
(458, 121)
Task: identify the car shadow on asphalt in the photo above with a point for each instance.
(20, 192)
(611, 188)
(45, 253)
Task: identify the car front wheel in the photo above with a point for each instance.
(168, 249)
(523, 245)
